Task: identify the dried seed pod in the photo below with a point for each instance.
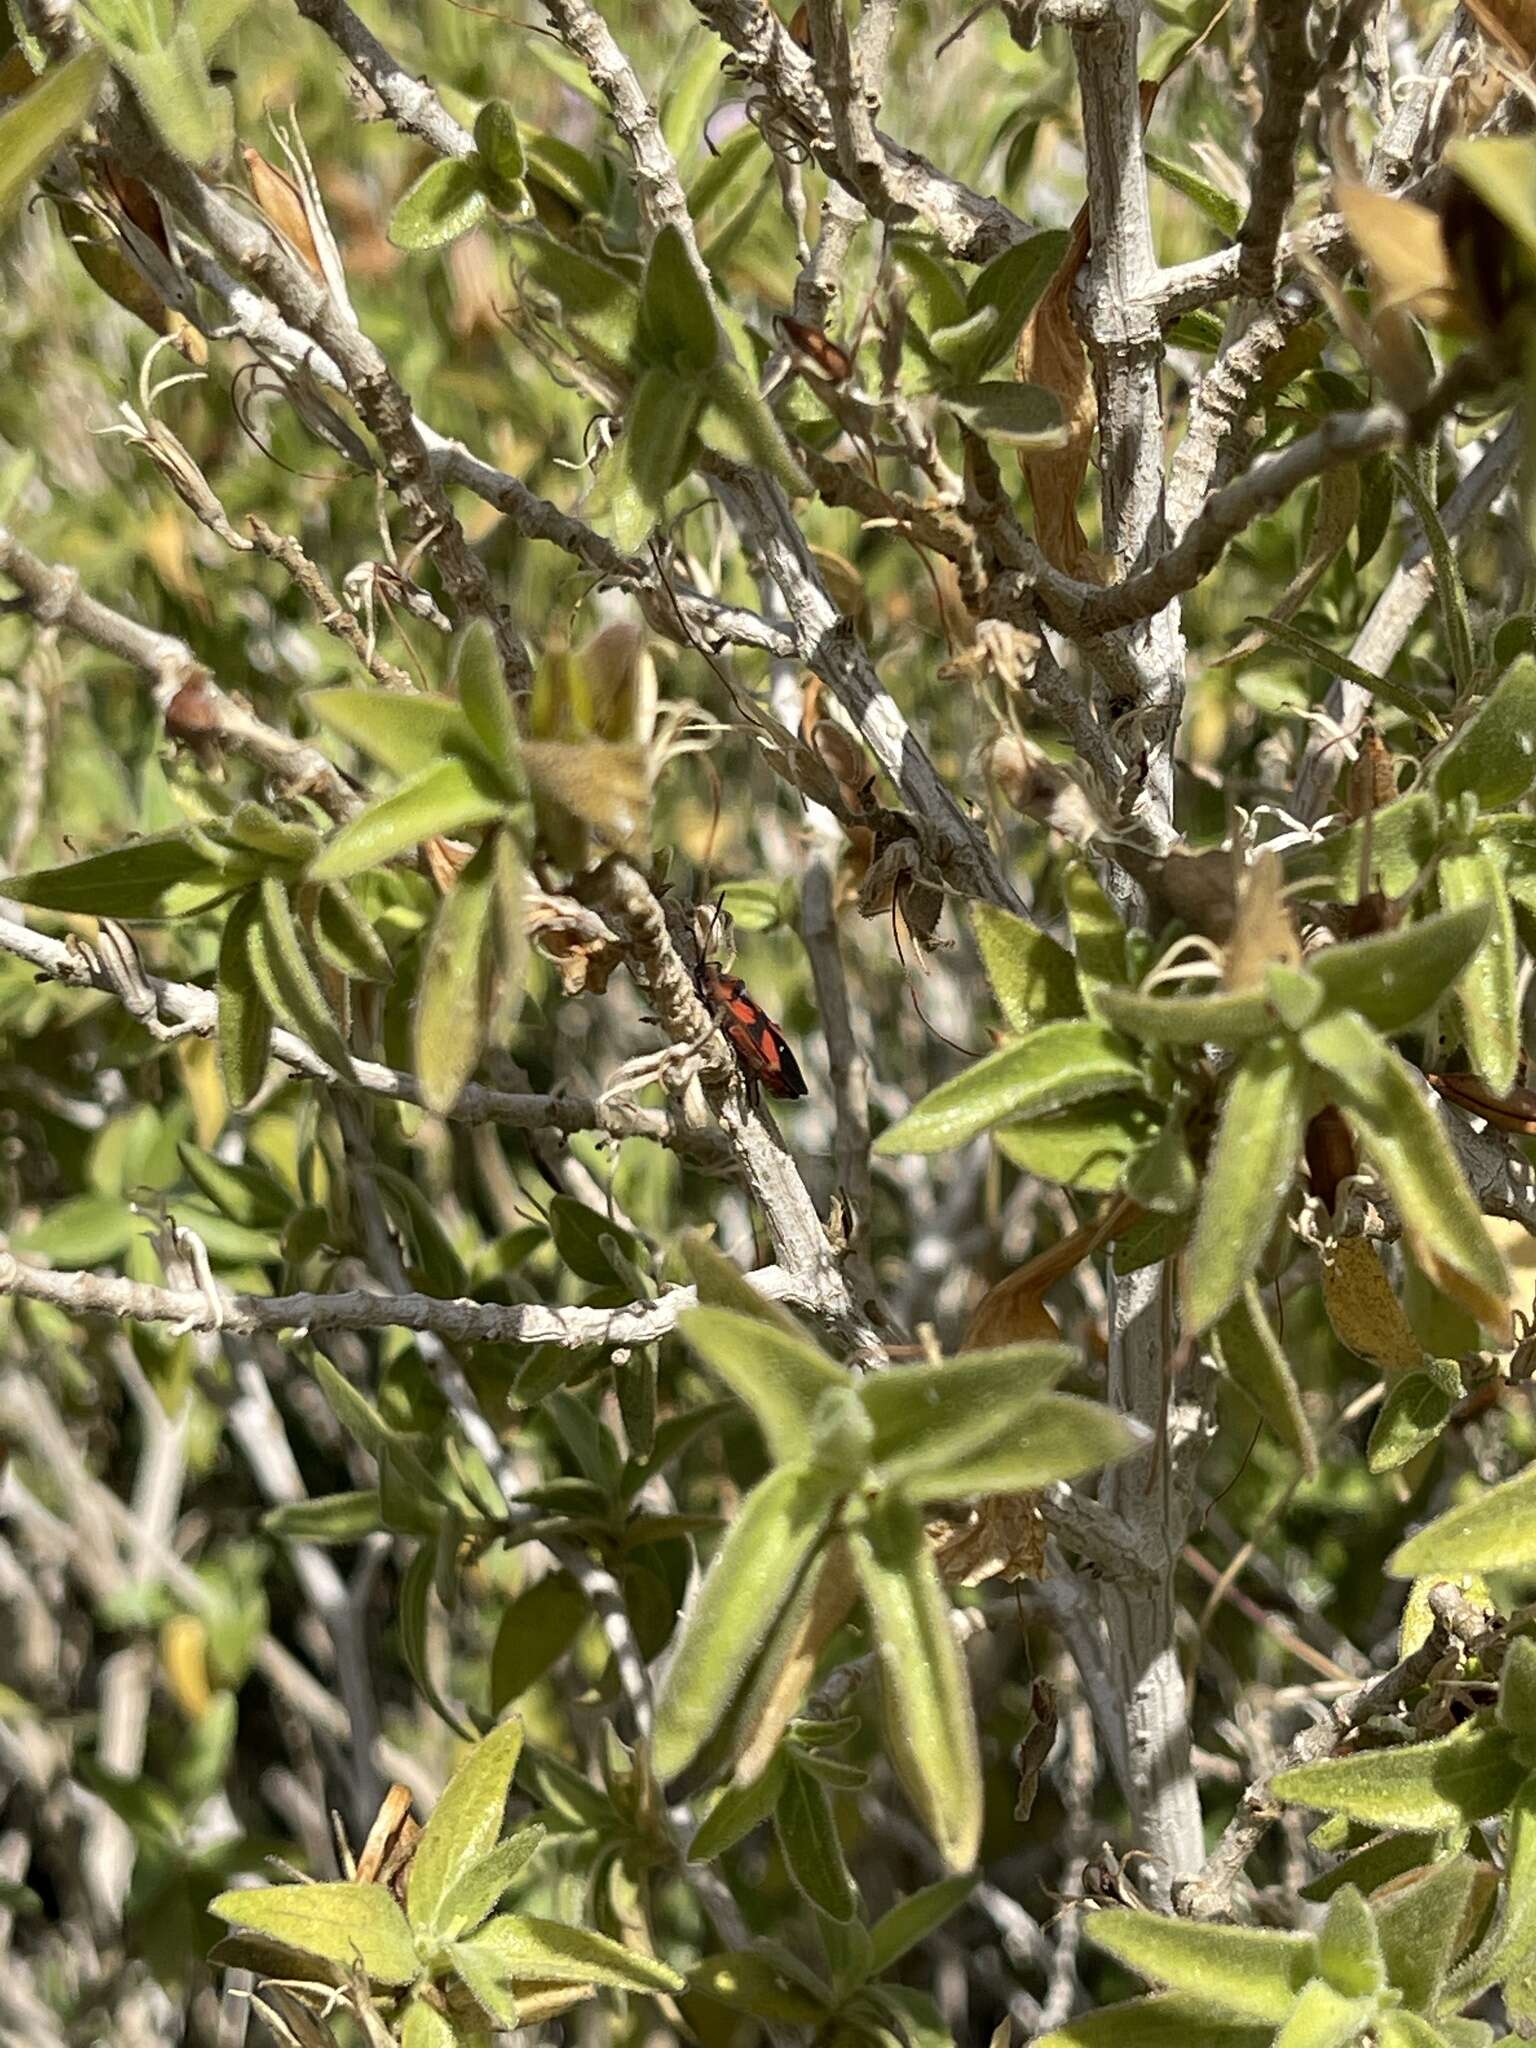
(282, 206)
(1365, 1313)
(1372, 775)
(821, 354)
(1331, 1157)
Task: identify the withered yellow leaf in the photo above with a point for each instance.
(1403, 247)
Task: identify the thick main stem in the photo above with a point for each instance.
(1139, 1615)
(1151, 1743)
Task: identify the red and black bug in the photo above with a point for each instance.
(761, 1049)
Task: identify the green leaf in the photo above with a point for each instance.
(425, 2027)
(47, 114)
(737, 423)
(1449, 588)
(917, 1916)
(537, 1629)
(1448, 1783)
(1517, 1688)
(1324, 2018)
(766, 1548)
(415, 1598)
(479, 1887)
(930, 1730)
(345, 938)
(1165, 2021)
(1060, 1437)
(766, 1985)
(1487, 993)
(599, 306)
(517, 1946)
(1232, 1021)
(1033, 977)
(1243, 1972)
(1423, 1926)
(245, 1016)
(1290, 636)
(1499, 170)
(1403, 1140)
(1348, 1952)
(326, 1518)
(193, 116)
(1495, 1531)
(1018, 415)
(1404, 837)
(164, 876)
(1512, 1954)
(1098, 935)
(923, 1414)
(1491, 753)
(659, 427)
(1087, 1146)
(463, 1827)
(1396, 978)
(807, 1838)
(1250, 1352)
(1218, 207)
(497, 142)
(453, 998)
(448, 796)
(344, 1923)
(723, 1285)
(486, 702)
(738, 1810)
(679, 330)
(1009, 287)
(1054, 1066)
(272, 838)
(446, 201)
(1247, 1177)
(402, 732)
(780, 1375)
(280, 966)
(1416, 1410)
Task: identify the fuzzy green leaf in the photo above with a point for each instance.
(1033, 976)
(930, 1729)
(1243, 1972)
(1247, 1177)
(1488, 992)
(739, 1809)
(245, 1016)
(1398, 977)
(1054, 1066)
(519, 1946)
(449, 796)
(1448, 1783)
(344, 1923)
(465, 1824)
(1250, 1352)
(453, 1000)
(403, 733)
(807, 1838)
(766, 1549)
(446, 201)
(779, 1375)
(1403, 1140)
(1494, 1531)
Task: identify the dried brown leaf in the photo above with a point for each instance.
(1002, 1536)
(1264, 934)
(1050, 353)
